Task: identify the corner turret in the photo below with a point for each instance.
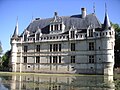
(14, 39)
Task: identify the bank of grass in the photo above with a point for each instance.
(45, 74)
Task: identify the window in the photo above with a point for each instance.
(72, 46)
(91, 59)
(38, 59)
(37, 36)
(91, 46)
(72, 59)
(55, 47)
(50, 59)
(51, 27)
(38, 48)
(91, 33)
(106, 33)
(59, 59)
(59, 47)
(110, 33)
(25, 48)
(50, 47)
(60, 26)
(25, 37)
(103, 33)
(72, 34)
(54, 59)
(28, 66)
(56, 27)
(25, 59)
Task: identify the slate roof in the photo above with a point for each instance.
(106, 22)
(69, 21)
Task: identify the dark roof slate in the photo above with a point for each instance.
(69, 21)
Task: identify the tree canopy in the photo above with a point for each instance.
(5, 59)
(117, 44)
(0, 48)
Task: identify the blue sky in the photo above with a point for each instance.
(25, 10)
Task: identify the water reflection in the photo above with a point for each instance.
(56, 82)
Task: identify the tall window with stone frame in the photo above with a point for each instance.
(91, 46)
(60, 26)
(25, 48)
(51, 27)
(72, 46)
(72, 34)
(37, 59)
(59, 59)
(91, 59)
(38, 48)
(72, 59)
(25, 59)
(55, 47)
(56, 27)
(91, 33)
(51, 46)
(59, 47)
(54, 59)
(37, 36)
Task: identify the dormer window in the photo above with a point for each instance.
(37, 36)
(56, 27)
(72, 34)
(91, 33)
(51, 27)
(56, 24)
(25, 37)
(60, 26)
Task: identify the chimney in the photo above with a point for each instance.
(83, 11)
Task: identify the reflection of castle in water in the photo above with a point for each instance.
(46, 82)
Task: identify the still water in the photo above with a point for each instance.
(55, 82)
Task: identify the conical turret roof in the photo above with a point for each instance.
(15, 34)
(106, 20)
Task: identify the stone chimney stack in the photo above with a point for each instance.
(83, 11)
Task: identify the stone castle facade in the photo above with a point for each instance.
(65, 44)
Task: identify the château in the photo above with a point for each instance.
(65, 44)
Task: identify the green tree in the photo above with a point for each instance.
(0, 48)
(5, 59)
(117, 44)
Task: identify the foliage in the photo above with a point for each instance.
(0, 48)
(117, 44)
(5, 59)
(116, 27)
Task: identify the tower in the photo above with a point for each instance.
(108, 45)
(14, 47)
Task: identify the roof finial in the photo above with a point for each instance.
(106, 20)
(17, 26)
(94, 7)
(32, 18)
(105, 7)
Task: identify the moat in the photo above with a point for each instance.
(11, 81)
